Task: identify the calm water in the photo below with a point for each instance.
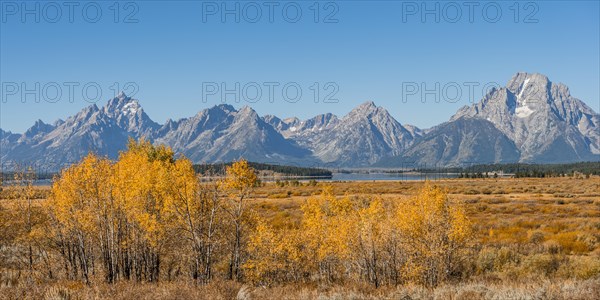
(37, 182)
(337, 177)
(388, 176)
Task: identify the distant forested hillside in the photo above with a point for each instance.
(527, 170)
(219, 169)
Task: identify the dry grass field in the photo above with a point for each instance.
(533, 239)
(505, 211)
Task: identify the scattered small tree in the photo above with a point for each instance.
(239, 182)
(436, 232)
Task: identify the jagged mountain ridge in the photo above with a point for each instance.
(544, 121)
(529, 120)
(90, 130)
(216, 134)
(359, 139)
(221, 134)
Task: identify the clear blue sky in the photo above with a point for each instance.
(369, 53)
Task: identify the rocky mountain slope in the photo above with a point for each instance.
(529, 120)
(464, 141)
(361, 138)
(222, 134)
(544, 121)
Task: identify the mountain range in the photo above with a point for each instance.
(529, 120)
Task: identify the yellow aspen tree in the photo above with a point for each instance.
(370, 240)
(73, 205)
(240, 180)
(211, 228)
(196, 211)
(435, 231)
(122, 212)
(263, 259)
(328, 225)
(392, 248)
(274, 255)
(141, 181)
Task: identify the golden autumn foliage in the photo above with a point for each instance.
(436, 232)
(132, 218)
(421, 240)
(274, 256)
(376, 242)
(239, 181)
(241, 178)
(148, 217)
(79, 200)
(327, 225)
(123, 210)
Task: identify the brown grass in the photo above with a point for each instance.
(559, 290)
(537, 239)
(563, 210)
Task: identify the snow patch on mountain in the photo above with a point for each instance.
(130, 108)
(523, 111)
(523, 86)
(529, 120)
(544, 121)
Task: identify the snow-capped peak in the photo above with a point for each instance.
(537, 115)
(131, 108)
(122, 105)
